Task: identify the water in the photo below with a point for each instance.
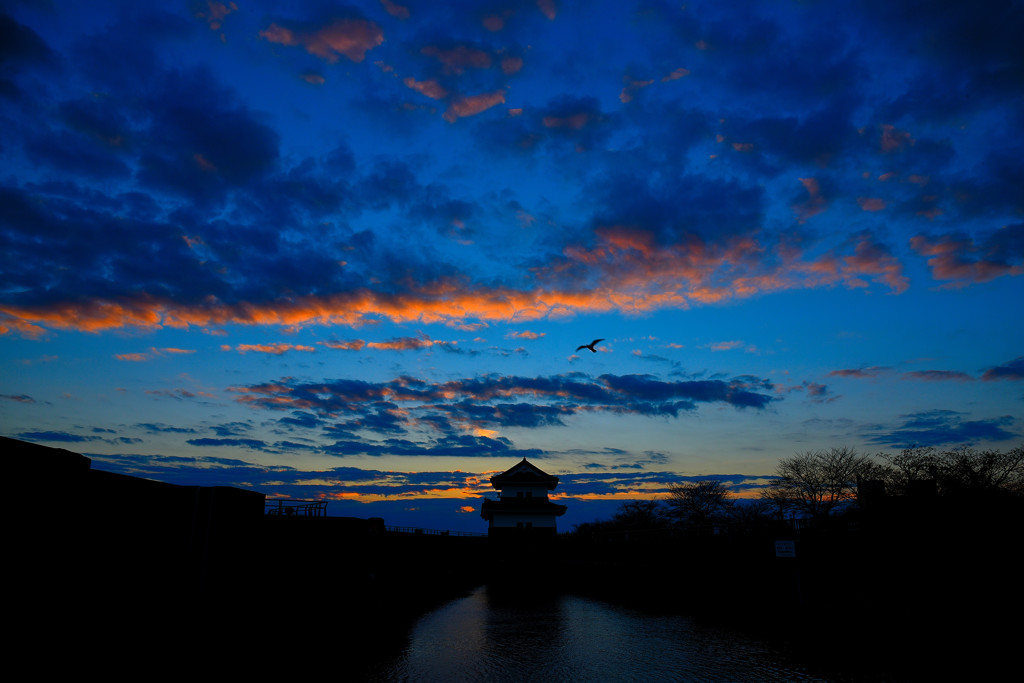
(484, 637)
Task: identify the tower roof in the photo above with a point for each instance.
(524, 472)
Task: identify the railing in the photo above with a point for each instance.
(430, 532)
(297, 508)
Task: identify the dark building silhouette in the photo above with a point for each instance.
(523, 506)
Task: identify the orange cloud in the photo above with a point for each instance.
(631, 87)
(676, 75)
(405, 344)
(814, 204)
(511, 65)
(202, 163)
(574, 121)
(548, 8)
(959, 259)
(459, 58)
(153, 353)
(473, 105)
(21, 327)
(313, 77)
(353, 345)
(215, 13)
(873, 260)
(495, 22)
(871, 203)
(525, 334)
(431, 89)
(277, 349)
(349, 37)
(893, 138)
(395, 10)
(628, 270)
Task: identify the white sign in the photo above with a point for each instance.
(785, 548)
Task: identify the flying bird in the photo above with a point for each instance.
(590, 346)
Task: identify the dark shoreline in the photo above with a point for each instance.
(113, 564)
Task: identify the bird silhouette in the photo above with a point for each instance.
(590, 346)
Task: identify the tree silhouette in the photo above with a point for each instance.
(639, 514)
(817, 482)
(698, 502)
(955, 472)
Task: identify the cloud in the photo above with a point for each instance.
(963, 261)
(277, 348)
(429, 88)
(179, 394)
(861, 373)
(213, 12)
(938, 376)
(489, 402)
(816, 392)
(51, 436)
(676, 74)
(511, 64)
(893, 139)
(19, 398)
(20, 45)
(814, 203)
(1013, 370)
(625, 270)
(348, 345)
(253, 444)
(724, 346)
(160, 428)
(457, 58)
(876, 261)
(943, 427)
(395, 9)
(351, 38)
(871, 203)
(471, 105)
(153, 352)
(630, 89)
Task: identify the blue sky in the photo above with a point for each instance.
(346, 251)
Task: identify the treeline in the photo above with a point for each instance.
(818, 487)
(898, 566)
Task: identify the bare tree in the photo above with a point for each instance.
(817, 482)
(979, 471)
(901, 470)
(641, 514)
(699, 501)
(962, 470)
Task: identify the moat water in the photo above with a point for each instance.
(487, 637)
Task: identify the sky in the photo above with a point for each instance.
(347, 251)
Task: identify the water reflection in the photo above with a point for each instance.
(492, 637)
